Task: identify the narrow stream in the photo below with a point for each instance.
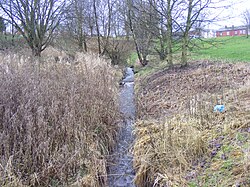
(121, 172)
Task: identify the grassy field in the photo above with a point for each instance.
(226, 48)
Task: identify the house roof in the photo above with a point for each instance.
(231, 28)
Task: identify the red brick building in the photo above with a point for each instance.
(231, 31)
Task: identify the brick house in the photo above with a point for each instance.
(232, 31)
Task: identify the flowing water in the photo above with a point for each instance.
(121, 172)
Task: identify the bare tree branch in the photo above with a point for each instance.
(36, 20)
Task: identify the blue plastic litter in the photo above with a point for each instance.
(219, 108)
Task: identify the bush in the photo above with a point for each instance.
(57, 122)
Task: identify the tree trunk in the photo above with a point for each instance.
(144, 60)
(105, 50)
(80, 43)
(97, 27)
(185, 39)
(80, 18)
(127, 31)
(162, 54)
(162, 51)
(169, 34)
(85, 44)
(137, 50)
(184, 51)
(137, 47)
(36, 51)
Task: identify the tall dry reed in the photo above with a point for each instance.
(57, 121)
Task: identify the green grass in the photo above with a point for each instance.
(226, 48)
(229, 49)
(132, 59)
(9, 37)
(154, 65)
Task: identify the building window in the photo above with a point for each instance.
(235, 32)
(228, 33)
(241, 31)
(220, 33)
(244, 31)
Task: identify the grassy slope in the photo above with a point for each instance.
(226, 48)
(201, 148)
(225, 152)
(230, 49)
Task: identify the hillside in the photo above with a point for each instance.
(180, 140)
(227, 48)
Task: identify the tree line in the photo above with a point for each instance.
(154, 26)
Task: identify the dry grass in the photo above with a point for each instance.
(175, 152)
(164, 151)
(180, 141)
(57, 121)
(178, 90)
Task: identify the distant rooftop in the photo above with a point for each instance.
(226, 28)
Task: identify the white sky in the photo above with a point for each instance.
(232, 15)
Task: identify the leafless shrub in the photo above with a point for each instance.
(118, 50)
(57, 122)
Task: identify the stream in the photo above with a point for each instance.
(121, 173)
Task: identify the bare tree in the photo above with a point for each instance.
(246, 18)
(76, 22)
(142, 20)
(107, 13)
(168, 11)
(191, 11)
(112, 29)
(119, 25)
(35, 20)
(130, 15)
(177, 19)
(97, 26)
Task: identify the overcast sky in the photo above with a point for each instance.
(232, 15)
